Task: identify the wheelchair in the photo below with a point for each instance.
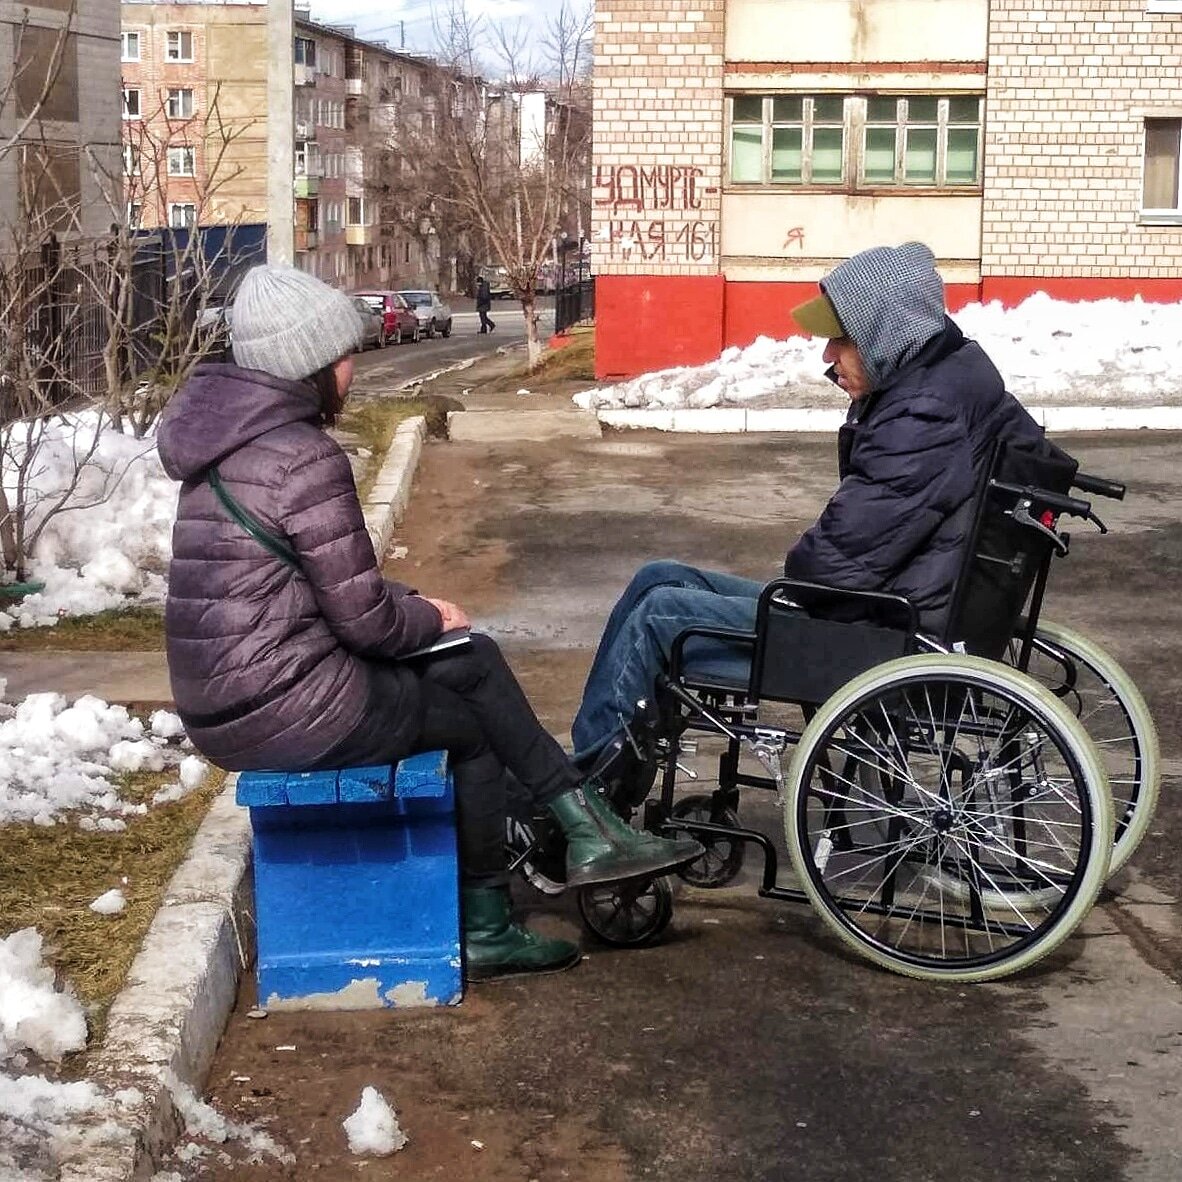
(951, 805)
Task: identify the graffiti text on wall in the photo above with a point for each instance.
(624, 189)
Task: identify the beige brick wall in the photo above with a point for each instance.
(657, 161)
(1070, 83)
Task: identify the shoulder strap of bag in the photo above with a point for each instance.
(269, 541)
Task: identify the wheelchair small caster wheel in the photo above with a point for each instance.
(630, 914)
(723, 858)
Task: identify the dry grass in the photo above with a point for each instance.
(131, 630)
(50, 875)
(573, 362)
(374, 421)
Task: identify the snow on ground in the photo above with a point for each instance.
(58, 763)
(1105, 353)
(112, 545)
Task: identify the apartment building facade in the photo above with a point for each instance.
(743, 147)
(198, 132)
(62, 174)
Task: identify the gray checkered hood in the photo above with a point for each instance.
(890, 301)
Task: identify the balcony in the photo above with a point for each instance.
(303, 130)
(307, 185)
(304, 75)
(307, 239)
(354, 85)
(360, 235)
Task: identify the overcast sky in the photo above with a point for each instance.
(379, 20)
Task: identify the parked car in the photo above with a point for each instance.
(498, 282)
(434, 315)
(373, 325)
(400, 320)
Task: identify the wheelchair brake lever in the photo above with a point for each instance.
(1021, 514)
(1097, 523)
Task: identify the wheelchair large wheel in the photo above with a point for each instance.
(629, 914)
(948, 817)
(1113, 712)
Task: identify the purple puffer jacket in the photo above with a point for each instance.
(268, 665)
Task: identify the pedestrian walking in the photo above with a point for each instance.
(483, 304)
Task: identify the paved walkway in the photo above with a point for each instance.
(141, 678)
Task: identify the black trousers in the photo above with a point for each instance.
(486, 324)
(475, 710)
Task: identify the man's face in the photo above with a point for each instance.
(842, 354)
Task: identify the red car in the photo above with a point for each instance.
(401, 323)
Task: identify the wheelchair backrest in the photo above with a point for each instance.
(1004, 559)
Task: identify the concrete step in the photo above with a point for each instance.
(499, 426)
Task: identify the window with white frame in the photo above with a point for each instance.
(178, 45)
(131, 102)
(182, 161)
(131, 160)
(305, 51)
(179, 104)
(182, 215)
(921, 140)
(858, 141)
(355, 211)
(135, 214)
(130, 43)
(1163, 167)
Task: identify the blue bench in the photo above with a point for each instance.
(356, 886)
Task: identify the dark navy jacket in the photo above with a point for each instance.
(910, 456)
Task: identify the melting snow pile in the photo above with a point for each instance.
(112, 545)
(40, 1119)
(373, 1128)
(1109, 352)
(57, 758)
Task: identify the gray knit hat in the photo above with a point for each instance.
(289, 324)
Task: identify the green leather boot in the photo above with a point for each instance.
(602, 847)
(496, 947)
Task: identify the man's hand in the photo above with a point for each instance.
(453, 617)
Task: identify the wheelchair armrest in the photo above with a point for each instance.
(730, 635)
(839, 603)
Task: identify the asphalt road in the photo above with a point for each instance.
(379, 370)
(748, 1045)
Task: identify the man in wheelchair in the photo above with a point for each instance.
(927, 409)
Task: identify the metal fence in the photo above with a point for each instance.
(574, 304)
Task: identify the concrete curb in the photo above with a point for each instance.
(826, 420)
(166, 1022)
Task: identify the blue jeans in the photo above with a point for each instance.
(663, 598)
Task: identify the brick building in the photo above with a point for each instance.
(61, 171)
(742, 147)
(197, 132)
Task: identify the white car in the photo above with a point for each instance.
(434, 315)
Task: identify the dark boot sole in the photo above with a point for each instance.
(487, 973)
(638, 868)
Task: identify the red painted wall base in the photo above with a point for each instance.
(649, 322)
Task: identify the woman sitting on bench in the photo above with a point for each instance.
(287, 649)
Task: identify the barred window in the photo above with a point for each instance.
(933, 141)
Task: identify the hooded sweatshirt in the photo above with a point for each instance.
(270, 665)
(912, 451)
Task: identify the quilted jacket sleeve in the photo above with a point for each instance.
(322, 517)
(909, 468)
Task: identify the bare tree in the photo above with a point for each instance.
(497, 169)
(93, 332)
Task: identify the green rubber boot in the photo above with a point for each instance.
(602, 847)
(496, 947)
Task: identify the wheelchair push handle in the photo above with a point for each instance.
(1043, 499)
(1099, 487)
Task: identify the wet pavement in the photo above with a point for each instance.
(749, 1044)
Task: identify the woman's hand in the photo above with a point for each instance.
(453, 617)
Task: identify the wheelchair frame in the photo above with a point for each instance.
(1013, 539)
